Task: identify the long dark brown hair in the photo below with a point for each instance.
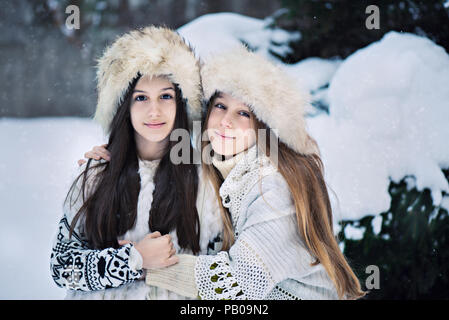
(109, 206)
(304, 175)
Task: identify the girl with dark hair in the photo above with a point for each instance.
(135, 211)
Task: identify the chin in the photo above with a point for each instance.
(223, 151)
(156, 137)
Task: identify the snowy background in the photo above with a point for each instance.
(388, 114)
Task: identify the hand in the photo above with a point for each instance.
(97, 153)
(157, 251)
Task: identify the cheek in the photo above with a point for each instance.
(243, 124)
(247, 135)
(213, 119)
(251, 138)
(134, 113)
(170, 112)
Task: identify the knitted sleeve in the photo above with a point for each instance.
(268, 259)
(235, 275)
(75, 266)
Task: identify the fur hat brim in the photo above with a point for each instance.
(273, 97)
(152, 51)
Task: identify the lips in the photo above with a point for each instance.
(223, 136)
(154, 125)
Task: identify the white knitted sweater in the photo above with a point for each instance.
(268, 259)
(119, 279)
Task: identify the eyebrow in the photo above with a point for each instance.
(136, 90)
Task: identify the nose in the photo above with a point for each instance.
(153, 110)
(226, 120)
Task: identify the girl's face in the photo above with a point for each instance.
(153, 109)
(229, 126)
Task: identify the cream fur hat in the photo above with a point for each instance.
(151, 51)
(273, 97)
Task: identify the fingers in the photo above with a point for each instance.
(171, 249)
(81, 162)
(171, 261)
(91, 155)
(154, 235)
(102, 152)
(98, 153)
(123, 242)
(168, 237)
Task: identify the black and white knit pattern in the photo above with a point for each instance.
(74, 266)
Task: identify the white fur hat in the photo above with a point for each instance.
(152, 51)
(273, 97)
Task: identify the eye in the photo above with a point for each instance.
(244, 114)
(140, 98)
(166, 96)
(220, 106)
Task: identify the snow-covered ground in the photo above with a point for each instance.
(388, 116)
(38, 161)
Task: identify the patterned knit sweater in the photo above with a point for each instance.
(268, 259)
(113, 273)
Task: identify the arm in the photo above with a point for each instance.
(214, 276)
(268, 257)
(235, 275)
(77, 267)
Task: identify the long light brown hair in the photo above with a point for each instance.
(304, 175)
